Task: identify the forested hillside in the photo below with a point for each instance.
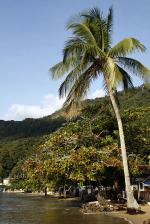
(23, 143)
(20, 138)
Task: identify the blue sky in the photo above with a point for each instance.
(32, 35)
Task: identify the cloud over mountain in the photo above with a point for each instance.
(50, 103)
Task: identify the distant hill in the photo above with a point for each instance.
(30, 127)
(20, 138)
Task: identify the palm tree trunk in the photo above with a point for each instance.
(131, 202)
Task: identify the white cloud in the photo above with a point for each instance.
(50, 103)
(97, 93)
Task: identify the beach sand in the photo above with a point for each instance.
(137, 218)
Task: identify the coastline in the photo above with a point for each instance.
(49, 196)
(112, 210)
(133, 219)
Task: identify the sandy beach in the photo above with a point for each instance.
(137, 218)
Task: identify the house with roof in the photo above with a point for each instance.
(141, 184)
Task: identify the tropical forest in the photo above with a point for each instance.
(68, 151)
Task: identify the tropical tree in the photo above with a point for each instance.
(89, 54)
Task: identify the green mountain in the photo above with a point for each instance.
(19, 139)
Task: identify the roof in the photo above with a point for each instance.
(143, 180)
(147, 182)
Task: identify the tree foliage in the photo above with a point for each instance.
(94, 129)
(80, 151)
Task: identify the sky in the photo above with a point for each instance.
(32, 35)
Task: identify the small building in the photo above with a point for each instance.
(6, 181)
(141, 185)
(144, 189)
(144, 185)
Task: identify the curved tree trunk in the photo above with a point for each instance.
(131, 202)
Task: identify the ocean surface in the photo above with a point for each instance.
(28, 209)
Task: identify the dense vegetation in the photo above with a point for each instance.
(89, 54)
(18, 139)
(77, 150)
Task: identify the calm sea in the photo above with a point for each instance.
(28, 209)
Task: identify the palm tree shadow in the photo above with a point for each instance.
(135, 212)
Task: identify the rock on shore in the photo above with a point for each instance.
(96, 207)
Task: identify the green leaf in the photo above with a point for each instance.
(135, 67)
(126, 46)
(58, 70)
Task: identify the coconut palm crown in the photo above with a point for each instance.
(89, 54)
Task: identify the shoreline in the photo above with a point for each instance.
(49, 196)
(133, 219)
(112, 214)
(118, 212)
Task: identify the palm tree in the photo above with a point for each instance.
(87, 55)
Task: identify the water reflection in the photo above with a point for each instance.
(28, 209)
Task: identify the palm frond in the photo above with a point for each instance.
(97, 24)
(116, 75)
(92, 13)
(110, 20)
(72, 78)
(126, 79)
(59, 70)
(126, 46)
(135, 67)
(100, 27)
(72, 110)
(109, 69)
(96, 13)
(81, 86)
(75, 48)
(108, 35)
(82, 31)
